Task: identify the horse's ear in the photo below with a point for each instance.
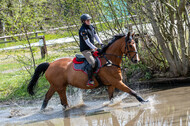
(133, 34)
(128, 35)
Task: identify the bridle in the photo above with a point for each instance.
(128, 52)
(109, 63)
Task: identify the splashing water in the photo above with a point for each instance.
(151, 104)
(116, 100)
(75, 99)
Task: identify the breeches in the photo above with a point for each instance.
(88, 55)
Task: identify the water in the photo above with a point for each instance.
(169, 107)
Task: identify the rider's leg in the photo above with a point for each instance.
(88, 55)
(90, 75)
(91, 61)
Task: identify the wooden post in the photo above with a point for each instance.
(4, 31)
(36, 34)
(43, 48)
(1, 27)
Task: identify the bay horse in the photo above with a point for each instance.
(60, 72)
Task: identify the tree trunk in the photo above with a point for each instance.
(173, 40)
(181, 33)
(161, 41)
(31, 52)
(188, 24)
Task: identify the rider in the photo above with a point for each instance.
(87, 34)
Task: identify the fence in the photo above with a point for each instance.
(42, 41)
(4, 38)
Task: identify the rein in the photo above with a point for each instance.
(109, 62)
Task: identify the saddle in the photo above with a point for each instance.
(80, 63)
(80, 58)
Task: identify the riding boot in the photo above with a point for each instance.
(90, 75)
(96, 65)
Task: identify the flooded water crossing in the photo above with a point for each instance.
(170, 107)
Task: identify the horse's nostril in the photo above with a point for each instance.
(135, 61)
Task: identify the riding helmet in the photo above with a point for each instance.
(85, 17)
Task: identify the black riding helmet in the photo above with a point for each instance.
(85, 17)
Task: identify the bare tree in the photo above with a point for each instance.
(170, 22)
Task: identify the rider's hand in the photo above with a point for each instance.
(99, 50)
(102, 45)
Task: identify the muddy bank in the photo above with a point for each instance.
(161, 83)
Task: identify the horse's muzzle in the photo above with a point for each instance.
(134, 61)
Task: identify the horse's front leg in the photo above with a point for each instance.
(111, 90)
(121, 86)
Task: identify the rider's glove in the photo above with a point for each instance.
(102, 45)
(99, 50)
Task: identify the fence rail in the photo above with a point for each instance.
(42, 41)
(19, 35)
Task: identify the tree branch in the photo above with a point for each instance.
(170, 6)
(182, 6)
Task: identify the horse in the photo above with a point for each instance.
(60, 73)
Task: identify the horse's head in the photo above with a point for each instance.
(130, 49)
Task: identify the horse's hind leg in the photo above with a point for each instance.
(48, 95)
(62, 95)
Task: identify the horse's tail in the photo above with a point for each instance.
(40, 69)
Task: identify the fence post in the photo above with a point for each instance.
(4, 31)
(43, 48)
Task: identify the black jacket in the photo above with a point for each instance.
(85, 32)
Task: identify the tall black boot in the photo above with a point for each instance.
(90, 75)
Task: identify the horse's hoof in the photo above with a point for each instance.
(42, 110)
(140, 99)
(144, 101)
(65, 107)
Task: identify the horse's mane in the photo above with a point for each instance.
(116, 37)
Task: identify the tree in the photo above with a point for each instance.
(170, 22)
(22, 17)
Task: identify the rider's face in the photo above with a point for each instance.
(87, 22)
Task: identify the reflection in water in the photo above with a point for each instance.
(165, 108)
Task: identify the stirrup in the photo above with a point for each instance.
(90, 83)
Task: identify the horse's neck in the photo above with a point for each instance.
(115, 50)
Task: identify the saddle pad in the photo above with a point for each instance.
(82, 67)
